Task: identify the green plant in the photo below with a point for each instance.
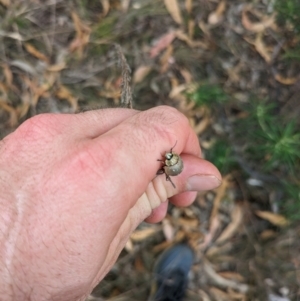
(292, 54)
(208, 95)
(221, 154)
(288, 12)
(269, 138)
(280, 145)
(291, 205)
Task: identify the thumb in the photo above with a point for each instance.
(197, 175)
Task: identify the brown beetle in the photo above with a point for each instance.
(173, 165)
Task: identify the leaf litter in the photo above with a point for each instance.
(172, 47)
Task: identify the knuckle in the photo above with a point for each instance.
(84, 162)
(37, 127)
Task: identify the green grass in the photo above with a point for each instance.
(270, 142)
(221, 155)
(288, 12)
(208, 95)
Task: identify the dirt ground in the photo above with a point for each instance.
(60, 57)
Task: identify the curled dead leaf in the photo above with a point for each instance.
(188, 5)
(140, 235)
(64, 93)
(168, 230)
(286, 80)
(140, 73)
(218, 15)
(162, 43)
(176, 90)
(257, 26)
(274, 218)
(234, 226)
(192, 43)
(13, 117)
(57, 67)
(125, 5)
(221, 281)
(8, 75)
(36, 53)
(201, 126)
(5, 3)
(82, 35)
(262, 48)
(129, 246)
(106, 6)
(173, 9)
(166, 59)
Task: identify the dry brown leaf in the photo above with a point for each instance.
(185, 38)
(191, 29)
(26, 102)
(82, 35)
(168, 230)
(274, 218)
(257, 26)
(188, 223)
(173, 9)
(36, 89)
(129, 246)
(286, 80)
(268, 234)
(218, 15)
(176, 90)
(221, 281)
(105, 6)
(13, 117)
(36, 53)
(233, 227)
(138, 264)
(221, 190)
(162, 246)
(57, 67)
(202, 125)
(140, 73)
(236, 296)
(64, 93)
(125, 5)
(140, 235)
(219, 295)
(204, 296)
(232, 275)
(188, 5)
(5, 3)
(162, 43)
(3, 89)
(165, 59)
(213, 228)
(8, 75)
(262, 49)
(187, 75)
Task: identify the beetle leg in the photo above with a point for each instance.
(168, 178)
(160, 172)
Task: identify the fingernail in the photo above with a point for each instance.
(202, 182)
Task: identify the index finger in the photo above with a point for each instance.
(129, 152)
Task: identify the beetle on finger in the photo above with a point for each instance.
(173, 165)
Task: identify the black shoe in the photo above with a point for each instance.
(171, 273)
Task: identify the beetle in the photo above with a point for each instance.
(173, 165)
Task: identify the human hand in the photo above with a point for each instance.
(74, 187)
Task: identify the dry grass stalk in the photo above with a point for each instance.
(126, 93)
